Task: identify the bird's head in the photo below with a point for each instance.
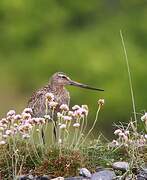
(61, 79)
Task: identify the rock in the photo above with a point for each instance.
(85, 173)
(142, 175)
(103, 175)
(98, 169)
(122, 166)
(58, 178)
(144, 169)
(42, 178)
(76, 178)
(22, 177)
(31, 177)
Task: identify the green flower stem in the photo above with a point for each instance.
(96, 118)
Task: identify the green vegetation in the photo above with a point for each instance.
(22, 149)
(82, 39)
(40, 37)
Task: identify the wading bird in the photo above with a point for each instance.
(56, 86)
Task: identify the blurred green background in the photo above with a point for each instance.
(80, 38)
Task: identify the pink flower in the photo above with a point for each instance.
(26, 115)
(27, 110)
(118, 131)
(67, 118)
(115, 143)
(17, 117)
(76, 125)
(2, 142)
(11, 113)
(53, 104)
(75, 107)
(63, 126)
(144, 117)
(8, 132)
(25, 136)
(64, 107)
(49, 96)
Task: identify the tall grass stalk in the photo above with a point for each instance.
(129, 76)
(96, 118)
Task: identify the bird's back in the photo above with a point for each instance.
(37, 101)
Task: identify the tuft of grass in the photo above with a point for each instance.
(129, 76)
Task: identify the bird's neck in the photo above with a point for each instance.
(57, 88)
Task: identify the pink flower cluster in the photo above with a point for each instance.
(76, 114)
(18, 124)
(128, 138)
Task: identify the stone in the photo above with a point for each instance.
(58, 178)
(98, 169)
(85, 173)
(142, 175)
(76, 178)
(31, 177)
(22, 177)
(43, 178)
(122, 166)
(103, 175)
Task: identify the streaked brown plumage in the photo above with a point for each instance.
(56, 85)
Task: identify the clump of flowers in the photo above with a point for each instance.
(18, 125)
(132, 140)
(66, 122)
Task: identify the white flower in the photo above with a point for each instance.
(27, 110)
(101, 102)
(17, 117)
(53, 104)
(144, 117)
(125, 137)
(64, 107)
(67, 118)
(121, 134)
(1, 128)
(76, 125)
(60, 141)
(49, 96)
(126, 132)
(114, 142)
(81, 112)
(71, 113)
(26, 115)
(4, 121)
(85, 107)
(2, 142)
(117, 131)
(63, 126)
(47, 117)
(42, 120)
(59, 115)
(145, 136)
(25, 136)
(75, 107)
(8, 132)
(5, 136)
(11, 113)
(15, 125)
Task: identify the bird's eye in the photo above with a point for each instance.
(62, 76)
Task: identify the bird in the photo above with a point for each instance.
(57, 86)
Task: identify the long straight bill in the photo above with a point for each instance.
(73, 83)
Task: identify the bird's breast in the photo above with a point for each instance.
(62, 97)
